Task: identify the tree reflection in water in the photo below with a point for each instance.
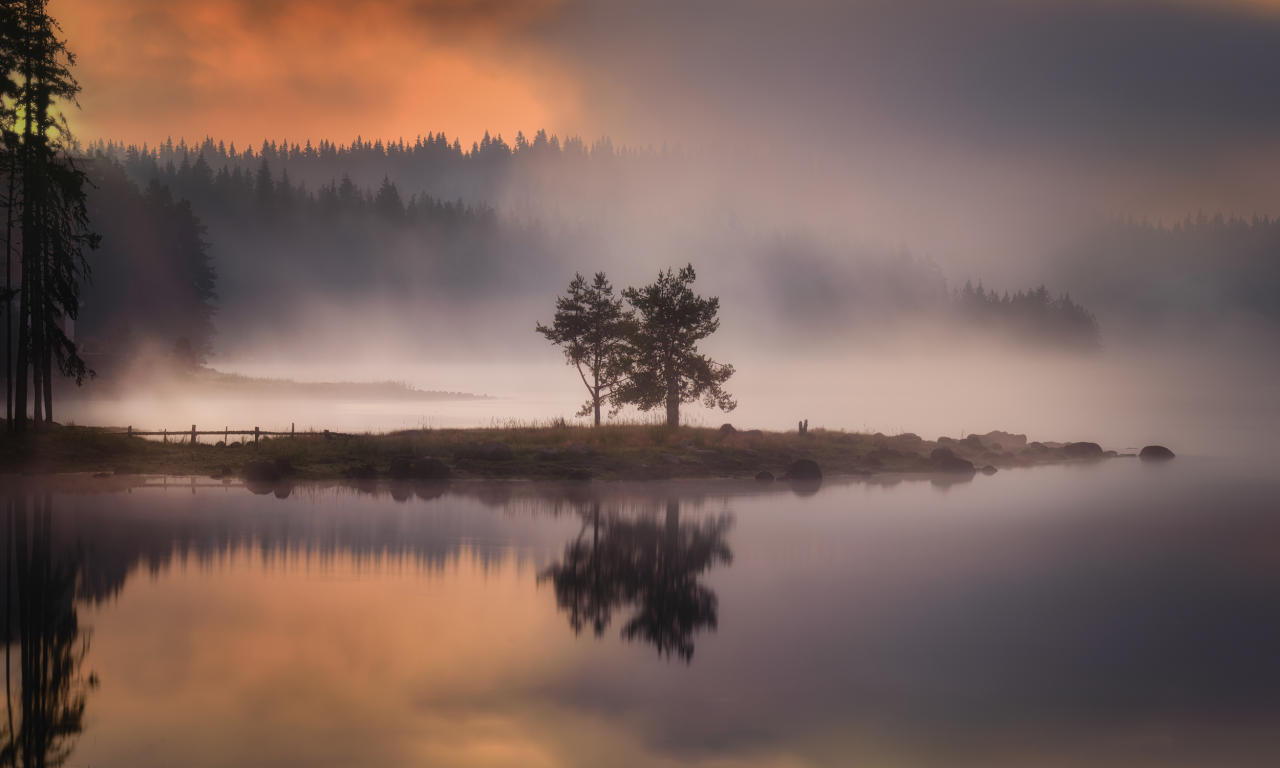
(655, 567)
(45, 705)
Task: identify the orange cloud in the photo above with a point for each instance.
(243, 70)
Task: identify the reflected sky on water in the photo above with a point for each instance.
(1113, 614)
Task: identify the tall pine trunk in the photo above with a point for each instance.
(673, 403)
(36, 286)
(48, 385)
(24, 346)
(8, 287)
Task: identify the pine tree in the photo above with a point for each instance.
(593, 329)
(54, 220)
(664, 367)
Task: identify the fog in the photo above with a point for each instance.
(835, 172)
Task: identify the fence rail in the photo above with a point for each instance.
(226, 432)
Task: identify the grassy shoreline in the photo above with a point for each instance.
(553, 452)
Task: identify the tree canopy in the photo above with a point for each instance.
(664, 366)
(594, 329)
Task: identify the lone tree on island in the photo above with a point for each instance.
(663, 363)
(593, 329)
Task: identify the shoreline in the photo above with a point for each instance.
(612, 453)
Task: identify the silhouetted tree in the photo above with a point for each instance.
(54, 222)
(593, 328)
(664, 367)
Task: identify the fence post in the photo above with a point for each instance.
(326, 434)
(193, 434)
(255, 435)
(166, 436)
(225, 430)
(292, 428)
(130, 430)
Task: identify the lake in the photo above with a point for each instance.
(1112, 614)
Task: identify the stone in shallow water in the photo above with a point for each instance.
(803, 469)
(1082, 450)
(1155, 453)
(765, 477)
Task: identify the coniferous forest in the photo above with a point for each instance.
(344, 221)
(188, 231)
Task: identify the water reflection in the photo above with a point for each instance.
(654, 567)
(44, 712)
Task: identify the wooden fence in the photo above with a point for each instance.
(226, 433)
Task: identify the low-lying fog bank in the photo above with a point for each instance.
(1202, 400)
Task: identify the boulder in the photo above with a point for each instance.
(1082, 450)
(946, 441)
(727, 429)
(989, 470)
(1004, 439)
(973, 441)
(765, 477)
(803, 469)
(997, 447)
(1155, 453)
(431, 468)
(261, 471)
(754, 433)
(401, 467)
(943, 460)
(910, 437)
(494, 450)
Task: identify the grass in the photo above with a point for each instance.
(542, 450)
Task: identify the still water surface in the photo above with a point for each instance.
(1120, 614)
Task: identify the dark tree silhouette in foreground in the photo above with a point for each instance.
(53, 218)
(664, 367)
(654, 567)
(593, 328)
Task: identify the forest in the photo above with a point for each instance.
(1201, 268)
(308, 218)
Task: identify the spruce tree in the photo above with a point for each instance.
(53, 218)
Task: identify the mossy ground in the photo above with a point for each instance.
(550, 452)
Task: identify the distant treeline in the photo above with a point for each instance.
(432, 162)
(153, 277)
(833, 290)
(1199, 267)
(292, 227)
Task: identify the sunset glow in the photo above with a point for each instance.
(242, 71)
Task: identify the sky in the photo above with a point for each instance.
(1150, 107)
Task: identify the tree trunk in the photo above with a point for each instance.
(48, 385)
(24, 345)
(597, 402)
(8, 285)
(37, 349)
(673, 404)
